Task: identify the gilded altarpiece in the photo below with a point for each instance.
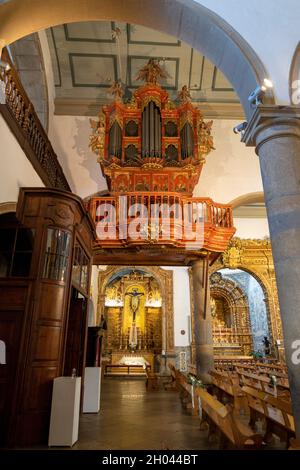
(254, 257)
(154, 317)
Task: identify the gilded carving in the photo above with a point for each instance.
(117, 91)
(151, 72)
(205, 139)
(164, 279)
(255, 256)
(97, 139)
(184, 95)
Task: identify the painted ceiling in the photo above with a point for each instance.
(89, 57)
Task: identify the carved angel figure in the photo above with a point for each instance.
(117, 91)
(97, 139)
(205, 138)
(184, 95)
(151, 72)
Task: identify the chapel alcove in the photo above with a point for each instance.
(133, 313)
(239, 312)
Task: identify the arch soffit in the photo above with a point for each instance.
(6, 207)
(294, 74)
(250, 198)
(189, 21)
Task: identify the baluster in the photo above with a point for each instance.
(23, 112)
(27, 114)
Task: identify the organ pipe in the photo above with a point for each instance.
(187, 141)
(151, 131)
(115, 140)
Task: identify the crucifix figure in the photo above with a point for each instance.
(134, 301)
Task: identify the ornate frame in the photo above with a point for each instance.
(164, 278)
(255, 257)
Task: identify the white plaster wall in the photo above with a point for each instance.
(181, 303)
(251, 227)
(232, 169)
(16, 170)
(69, 136)
(271, 28)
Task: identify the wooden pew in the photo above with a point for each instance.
(152, 383)
(171, 385)
(186, 393)
(262, 382)
(221, 417)
(227, 385)
(276, 412)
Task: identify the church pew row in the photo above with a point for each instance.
(263, 383)
(230, 362)
(264, 370)
(186, 393)
(276, 412)
(258, 378)
(227, 387)
(220, 417)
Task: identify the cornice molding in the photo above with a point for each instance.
(90, 107)
(271, 121)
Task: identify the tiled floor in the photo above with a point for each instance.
(132, 418)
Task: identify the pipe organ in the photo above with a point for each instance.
(152, 151)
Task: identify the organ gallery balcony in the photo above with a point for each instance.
(163, 220)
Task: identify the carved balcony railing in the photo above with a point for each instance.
(163, 219)
(21, 117)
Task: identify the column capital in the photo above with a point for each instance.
(271, 122)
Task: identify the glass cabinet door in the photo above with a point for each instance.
(57, 253)
(80, 271)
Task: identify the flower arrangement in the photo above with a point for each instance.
(192, 380)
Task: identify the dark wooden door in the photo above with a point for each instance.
(76, 337)
(11, 323)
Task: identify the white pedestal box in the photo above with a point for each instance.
(92, 388)
(64, 421)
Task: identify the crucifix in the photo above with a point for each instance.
(134, 301)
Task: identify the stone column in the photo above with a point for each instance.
(275, 132)
(202, 324)
(2, 45)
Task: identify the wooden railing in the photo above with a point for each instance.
(20, 115)
(176, 208)
(175, 214)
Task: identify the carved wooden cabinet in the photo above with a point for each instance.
(52, 312)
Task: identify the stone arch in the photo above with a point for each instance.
(237, 301)
(165, 281)
(250, 198)
(266, 288)
(235, 297)
(6, 207)
(184, 19)
(294, 75)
